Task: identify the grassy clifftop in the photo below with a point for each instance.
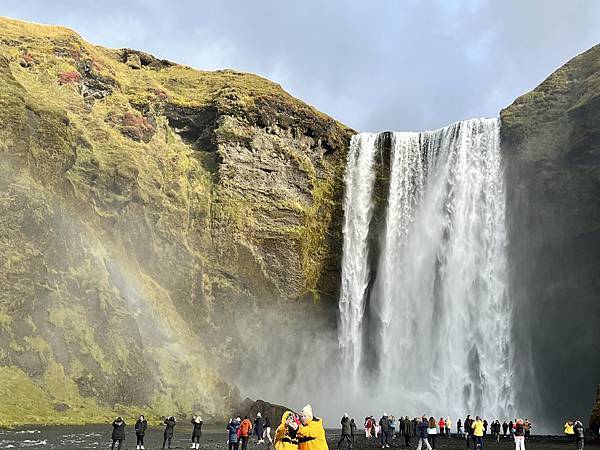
(143, 204)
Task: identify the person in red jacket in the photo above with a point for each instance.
(245, 432)
(442, 425)
(519, 432)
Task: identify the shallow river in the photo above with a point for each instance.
(88, 437)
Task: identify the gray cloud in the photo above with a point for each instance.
(402, 65)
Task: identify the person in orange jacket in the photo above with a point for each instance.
(310, 434)
(245, 431)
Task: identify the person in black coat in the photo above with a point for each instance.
(346, 432)
(140, 431)
(197, 431)
(408, 431)
(168, 435)
(259, 428)
(118, 434)
(468, 430)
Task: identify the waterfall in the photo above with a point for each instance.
(358, 207)
(439, 307)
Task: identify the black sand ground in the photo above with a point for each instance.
(98, 437)
(535, 443)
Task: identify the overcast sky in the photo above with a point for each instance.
(372, 64)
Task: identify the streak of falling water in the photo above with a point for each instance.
(439, 306)
(358, 207)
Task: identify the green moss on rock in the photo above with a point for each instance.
(144, 203)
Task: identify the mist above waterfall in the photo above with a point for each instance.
(424, 307)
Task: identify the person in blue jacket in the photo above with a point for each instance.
(422, 426)
(232, 438)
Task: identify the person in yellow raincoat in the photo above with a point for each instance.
(570, 433)
(285, 435)
(311, 434)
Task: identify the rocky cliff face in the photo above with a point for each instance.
(595, 418)
(150, 212)
(551, 139)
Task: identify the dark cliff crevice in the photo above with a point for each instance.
(195, 126)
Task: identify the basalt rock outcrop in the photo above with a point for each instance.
(551, 142)
(267, 410)
(150, 216)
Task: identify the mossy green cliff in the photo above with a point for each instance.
(148, 209)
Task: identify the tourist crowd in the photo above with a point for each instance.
(305, 431)
(428, 431)
(301, 431)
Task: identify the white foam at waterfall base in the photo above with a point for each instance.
(440, 315)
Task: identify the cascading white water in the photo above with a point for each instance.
(439, 305)
(358, 207)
